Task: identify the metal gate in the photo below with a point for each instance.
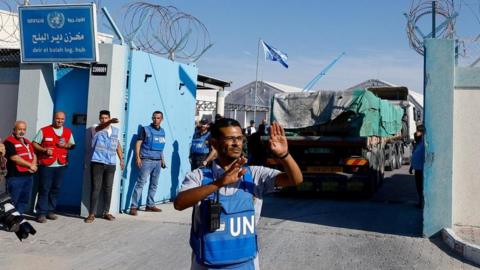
(71, 94)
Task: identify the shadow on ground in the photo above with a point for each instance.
(392, 210)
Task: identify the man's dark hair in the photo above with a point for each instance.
(221, 123)
(104, 112)
(157, 112)
(261, 129)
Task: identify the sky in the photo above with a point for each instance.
(312, 33)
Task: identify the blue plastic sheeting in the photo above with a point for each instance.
(156, 83)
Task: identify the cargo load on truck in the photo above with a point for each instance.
(341, 139)
(348, 113)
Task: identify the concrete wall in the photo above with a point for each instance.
(155, 84)
(35, 96)
(438, 172)
(106, 93)
(466, 184)
(8, 103)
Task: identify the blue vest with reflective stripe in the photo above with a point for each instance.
(153, 143)
(234, 245)
(105, 147)
(199, 146)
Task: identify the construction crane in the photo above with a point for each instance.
(322, 73)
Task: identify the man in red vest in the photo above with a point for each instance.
(52, 144)
(21, 165)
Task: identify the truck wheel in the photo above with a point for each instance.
(389, 162)
(395, 158)
(400, 159)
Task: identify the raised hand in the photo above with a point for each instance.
(234, 172)
(278, 142)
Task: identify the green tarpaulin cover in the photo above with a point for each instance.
(354, 113)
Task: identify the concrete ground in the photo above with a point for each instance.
(294, 233)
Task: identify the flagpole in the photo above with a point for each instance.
(256, 84)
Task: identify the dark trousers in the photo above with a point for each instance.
(102, 181)
(419, 184)
(49, 185)
(20, 189)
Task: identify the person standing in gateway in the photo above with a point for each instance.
(150, 160)
(52, 144)
(105, 149)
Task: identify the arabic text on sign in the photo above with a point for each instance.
(76, 20)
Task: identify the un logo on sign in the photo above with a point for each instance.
(55, 20)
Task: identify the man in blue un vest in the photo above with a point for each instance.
(105, 149)
(149, 158)
(200, 148)
(227, 198)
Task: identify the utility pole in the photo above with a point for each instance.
(256, 83)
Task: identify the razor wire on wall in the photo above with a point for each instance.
(165, 30)
(454, 20)
(161, 30)
(421, 10)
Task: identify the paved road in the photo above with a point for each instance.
(295, 233)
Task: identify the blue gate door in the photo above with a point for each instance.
(159, 84)
(71, 95)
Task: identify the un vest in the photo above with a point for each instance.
(50, 140)
(105, 147)
(199, 146)
(153, 143)
(235, 243)
(25, 151)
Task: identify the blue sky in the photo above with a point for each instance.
(312, 33)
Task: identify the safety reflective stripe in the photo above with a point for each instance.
(23, 150)
(26, 154)
(356, 162)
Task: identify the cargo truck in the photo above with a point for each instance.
(342, 140)
(412, 104)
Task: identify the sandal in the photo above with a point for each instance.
(108, 217)
(90, 219)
